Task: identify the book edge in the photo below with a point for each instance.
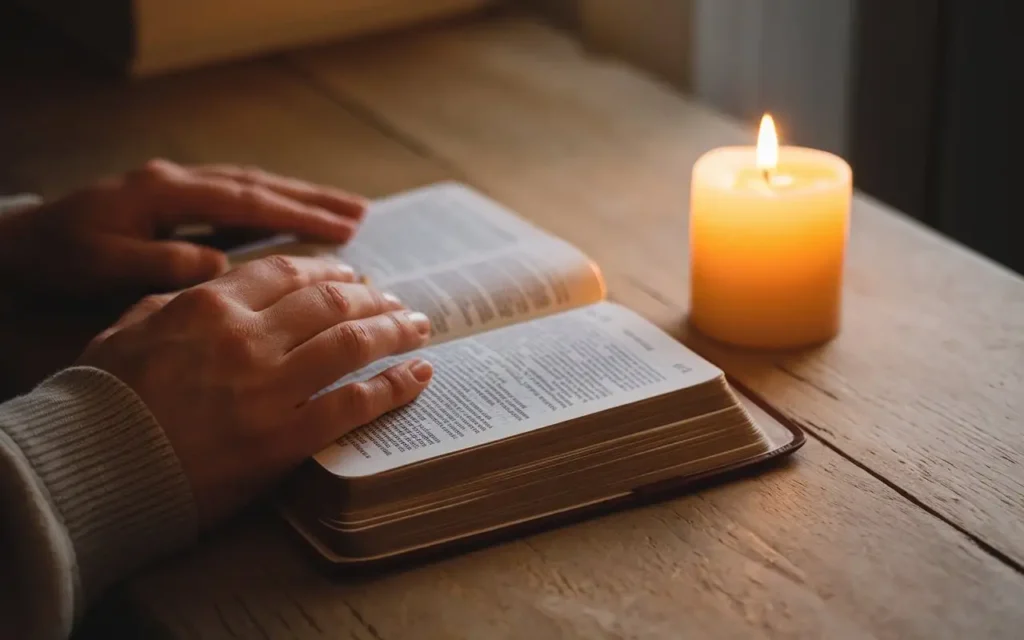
(637, 497)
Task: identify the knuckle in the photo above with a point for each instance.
(99, 339)
(251, 174)
(158, 165)
(154, 302)
(282, 267)
(204, 301)
(362, 402)
(155, 170)
(334, 298)
(379, 302)
(250, 195)
(403, 327)
(394, 385)
(355, 341)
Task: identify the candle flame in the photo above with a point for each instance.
(767, 145)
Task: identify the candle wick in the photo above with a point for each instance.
(767, 175)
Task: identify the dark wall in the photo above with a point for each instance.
(973, 177)
(930, 119)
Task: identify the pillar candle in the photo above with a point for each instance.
(768, 230)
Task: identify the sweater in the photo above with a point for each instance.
(90, 491)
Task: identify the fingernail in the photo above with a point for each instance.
(345, 270)
(390, 297)
(421, 370)
(420, 321)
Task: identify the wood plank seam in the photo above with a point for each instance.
(814, 431)
(361, 620)
(362, 112)
(252, 619)
(303, 612)
(224, 621)
(805, 380)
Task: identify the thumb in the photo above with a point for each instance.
(167, 264)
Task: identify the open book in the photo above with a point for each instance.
(547, 401)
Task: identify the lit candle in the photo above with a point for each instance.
(768, 231)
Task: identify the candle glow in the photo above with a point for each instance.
(768, 227)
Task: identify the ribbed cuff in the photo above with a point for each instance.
(110, 472)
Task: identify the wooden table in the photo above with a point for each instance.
(903, 516)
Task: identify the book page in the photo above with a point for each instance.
(517, 379)
(464, 260)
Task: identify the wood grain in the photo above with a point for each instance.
(925, 385)
(815, 550)
(68, 127)
(599, 154)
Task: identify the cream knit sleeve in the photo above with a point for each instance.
(90, 490)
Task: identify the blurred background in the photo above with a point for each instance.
(914, 93)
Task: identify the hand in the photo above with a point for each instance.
(228, 369)
(110, 238)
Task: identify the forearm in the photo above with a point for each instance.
(90, 490)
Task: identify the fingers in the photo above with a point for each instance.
(162, 265)
(334, 414)
(346, 347)
(302, 314)
(335, 200)
(189, 197)
(261, 283)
